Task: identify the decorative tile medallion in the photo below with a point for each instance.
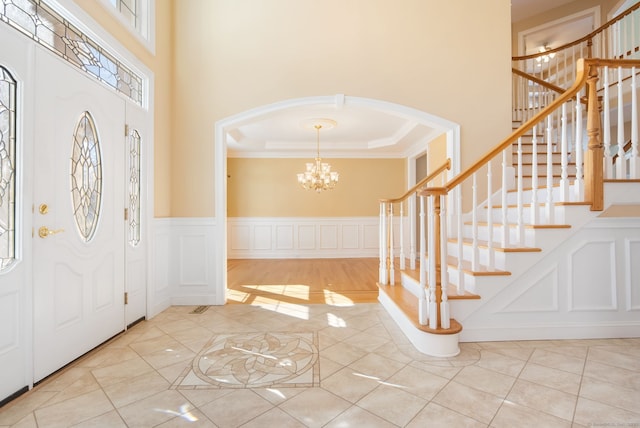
(254, 360)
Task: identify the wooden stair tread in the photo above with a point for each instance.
(622, 180)
(526, 226)
(408, 304)
(497, 247)
(452, 290)
(452, 261)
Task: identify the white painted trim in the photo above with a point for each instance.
(147, 35)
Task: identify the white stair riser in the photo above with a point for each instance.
(513, 238)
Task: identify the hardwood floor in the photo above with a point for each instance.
(330, 281)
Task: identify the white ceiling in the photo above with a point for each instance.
(523, 9)
(360, 131)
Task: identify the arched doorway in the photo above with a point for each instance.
(227, 131)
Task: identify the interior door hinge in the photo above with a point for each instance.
(126, 298)
(126, 130)
(126, 214)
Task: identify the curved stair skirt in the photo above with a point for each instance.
(434, 345)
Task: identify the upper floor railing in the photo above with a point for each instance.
(619, 38)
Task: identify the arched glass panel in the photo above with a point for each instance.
(134, 188)
(7, 169)
(86, 176)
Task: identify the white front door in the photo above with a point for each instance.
(15, 262)
(79, 202)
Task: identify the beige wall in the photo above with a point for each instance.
(235, 55)
(161, 66)
(216, 58)
(269, 188)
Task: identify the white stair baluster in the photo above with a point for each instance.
(423, 304)
(412, 232)
(534, 176)
(392, 279)
(505, 222)
(423, 245)
(431, 249)
(620, 163)
(606, 127)
(549, 203)
(475, 262)
(491, 261)
(402, 254)
(461, 288)
(383, 245)
(564, 153)
(634, 168)
(579, 183)
(519, 196)
(444, 277)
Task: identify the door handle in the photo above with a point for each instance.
(44, 231)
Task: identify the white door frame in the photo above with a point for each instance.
(223, 126)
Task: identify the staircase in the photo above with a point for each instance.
(516, 247)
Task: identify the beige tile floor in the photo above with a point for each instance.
(328, 366)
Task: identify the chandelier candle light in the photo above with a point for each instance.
(318, 175)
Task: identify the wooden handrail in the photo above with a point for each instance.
(428, 178)
(539, 81)
(583, 39)
(582, 68)
(625, 149)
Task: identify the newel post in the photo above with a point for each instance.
(435, 289)
(593, 159)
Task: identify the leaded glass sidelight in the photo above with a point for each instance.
(7, 169)
(134, 188)
(86, 176)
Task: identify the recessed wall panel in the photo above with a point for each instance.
(306, 237)
(350, 236)
(593, 279)
(371, 236)
(193, 260)
(328, 237)
(633, 273)
(262, 237)
(284, 237)
(240, 237)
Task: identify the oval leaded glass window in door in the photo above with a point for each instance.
(86, 177)
(7, 169)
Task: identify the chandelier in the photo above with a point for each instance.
(318, 175)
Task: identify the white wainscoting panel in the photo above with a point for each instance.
(306, 236)
(159, 292)
(540, 295)
(588, 286)
(185, 263)
(286, 237)
(632, 283)
(193, 259)
(593, 263)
